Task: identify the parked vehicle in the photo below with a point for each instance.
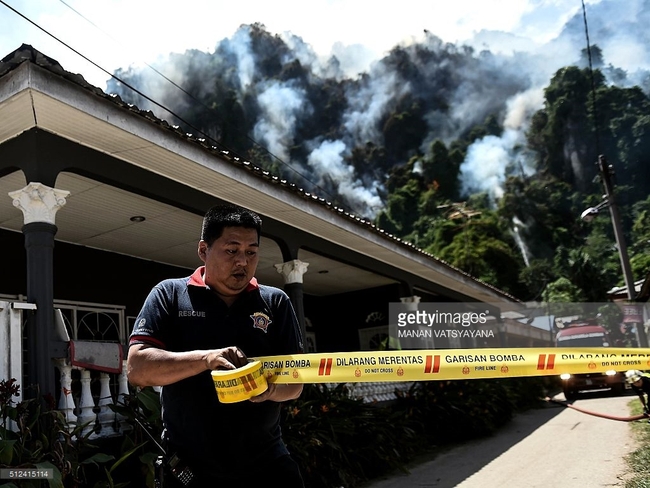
(587, 334)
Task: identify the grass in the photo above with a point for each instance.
(639, 460)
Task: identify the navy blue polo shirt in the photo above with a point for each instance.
(185, 314)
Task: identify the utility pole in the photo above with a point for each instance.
(606, 173)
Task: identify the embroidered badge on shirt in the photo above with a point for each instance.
(261, 321)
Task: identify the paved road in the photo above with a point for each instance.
(552, 446)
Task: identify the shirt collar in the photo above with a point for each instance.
(197, 280)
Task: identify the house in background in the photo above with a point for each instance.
(103, 200)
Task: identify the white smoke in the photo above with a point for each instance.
(518, 224)
(281, 105)
(455, 88)
(491, 159)
(369, 103)
(484, 168)
(240, 45)
(327, 161)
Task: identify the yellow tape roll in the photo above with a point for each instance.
(236, 385)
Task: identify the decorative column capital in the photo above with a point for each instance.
(411, 303)
(292, 270)
(39, 203)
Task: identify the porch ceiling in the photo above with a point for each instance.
(97, 215)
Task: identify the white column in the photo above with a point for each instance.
(410, 304)
(5, 342)
(86, 415)
(106, 415)
(66, 402)
(39, 203)
(292, 270)
(11, 344)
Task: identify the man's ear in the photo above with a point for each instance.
(203, 246)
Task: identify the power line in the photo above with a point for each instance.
(193, 98)
(88, 59)
(593, 82)
(147, 64)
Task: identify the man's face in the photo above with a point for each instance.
(231, 261)
(638, 383)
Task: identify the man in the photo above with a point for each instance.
(640, 384)
(215, 319)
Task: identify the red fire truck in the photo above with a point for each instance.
(587, 334)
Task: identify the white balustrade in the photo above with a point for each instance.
(66, 402)
(94, 414)
(86, 415)
(110, 423)
(106, 415)
(374, 392)
(122, 393)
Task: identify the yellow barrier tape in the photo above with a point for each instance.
(448, 364)
(239, 384)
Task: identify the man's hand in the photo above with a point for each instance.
(226, 358)
(278, 393)
(151, 366)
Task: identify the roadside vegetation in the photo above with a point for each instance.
(639, 460)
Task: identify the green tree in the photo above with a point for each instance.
(440, 170)
(640, 248)
(402, 207)
(478, 245)
(567, 135)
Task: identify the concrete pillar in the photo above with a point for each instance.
(292, 271)
(39, 204)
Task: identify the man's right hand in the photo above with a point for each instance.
(151, 366)
(226, 358)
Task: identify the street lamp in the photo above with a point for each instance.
(589, 214)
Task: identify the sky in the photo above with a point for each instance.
(116, 34)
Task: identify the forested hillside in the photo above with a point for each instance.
(532, 236)
(484, 159)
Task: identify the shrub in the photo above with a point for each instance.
(34, 434)
(342, 441)
(337, 440)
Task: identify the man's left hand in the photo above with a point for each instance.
(262, 397)
(278, 393)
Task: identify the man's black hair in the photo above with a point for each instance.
(221, 216)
